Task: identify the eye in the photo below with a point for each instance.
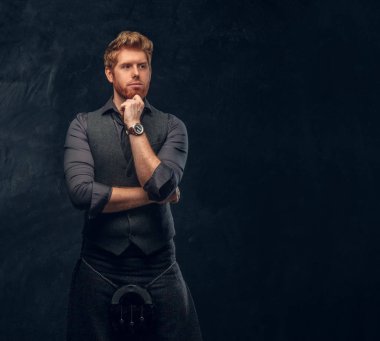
(125, 66)
(143, 66)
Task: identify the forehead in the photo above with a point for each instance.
(131, 55)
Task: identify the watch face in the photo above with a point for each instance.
(139, 129)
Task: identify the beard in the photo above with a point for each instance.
(127, 92)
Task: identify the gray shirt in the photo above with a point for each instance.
(85, 193)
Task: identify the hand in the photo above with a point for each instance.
(173, 199)
(131, 110)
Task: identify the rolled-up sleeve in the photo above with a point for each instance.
(173, 156)
(84, 192)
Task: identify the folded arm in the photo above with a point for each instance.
(84, 192)
(159, 174)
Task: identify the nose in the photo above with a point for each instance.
(135, 72)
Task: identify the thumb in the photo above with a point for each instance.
(138, 98)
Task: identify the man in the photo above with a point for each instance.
(123, 163)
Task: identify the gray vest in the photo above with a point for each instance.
(151, 226)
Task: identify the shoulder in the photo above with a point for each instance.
(176, 124)
(77, 130)
(81, 119)
(173, 120)
(79, 122)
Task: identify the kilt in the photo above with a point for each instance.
(90, 296)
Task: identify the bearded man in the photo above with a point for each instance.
(123, 164)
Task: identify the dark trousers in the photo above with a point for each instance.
(90, 297)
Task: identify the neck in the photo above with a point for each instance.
(118, 100)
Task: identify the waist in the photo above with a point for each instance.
(131, 261)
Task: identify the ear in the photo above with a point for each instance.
(109, 74)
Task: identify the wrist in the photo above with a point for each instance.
(130, 123)
(136, 128)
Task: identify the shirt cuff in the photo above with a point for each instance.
(100, 196)
(162, 183)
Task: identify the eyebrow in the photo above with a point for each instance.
(130, 63)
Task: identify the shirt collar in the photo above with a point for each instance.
(111, 107)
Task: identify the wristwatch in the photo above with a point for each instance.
(136, 129)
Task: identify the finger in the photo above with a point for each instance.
(139, 100)
(177, 197)
(125, 104)
(137, 97)
(135, 101)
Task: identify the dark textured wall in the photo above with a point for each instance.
(278, 228)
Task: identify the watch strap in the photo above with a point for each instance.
(137, 129)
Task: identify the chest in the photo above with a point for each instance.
(111, 149)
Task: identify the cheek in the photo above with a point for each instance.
(148, 78)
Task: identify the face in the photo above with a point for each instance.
(131, 74)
